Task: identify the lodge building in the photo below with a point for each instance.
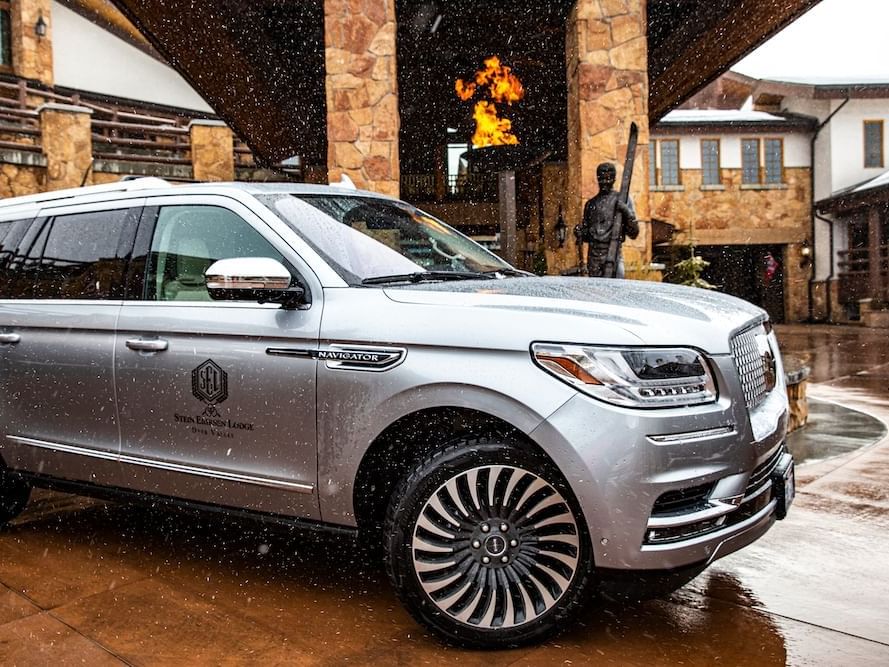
(320, 89)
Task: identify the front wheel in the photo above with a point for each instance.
(487, 546)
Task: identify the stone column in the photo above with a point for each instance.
(212, 151)
(66, 137)
(362, 93)
(31, 54)
(607, 60)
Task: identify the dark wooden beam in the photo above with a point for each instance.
(259, 65)
(689, 50)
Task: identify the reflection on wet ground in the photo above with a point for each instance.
(87, 582)
(833, 430)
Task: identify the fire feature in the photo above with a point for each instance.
(503, 87)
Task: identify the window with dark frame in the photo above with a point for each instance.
(710, 173)
(873, 144)
(77, 256)
(773, 161)
(669, 161)
(750, 161)
(5, 36)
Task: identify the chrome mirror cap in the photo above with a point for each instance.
(247, 273)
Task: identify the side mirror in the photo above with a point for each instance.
(259, 279)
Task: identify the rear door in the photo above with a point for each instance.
(207, 411)
(57, 317)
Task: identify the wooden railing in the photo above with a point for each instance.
(463, 187)
(857, 281)
(123, 134)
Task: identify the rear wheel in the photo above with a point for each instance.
(487, 546)
(14, 494)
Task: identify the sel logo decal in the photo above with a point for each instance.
(209, 383)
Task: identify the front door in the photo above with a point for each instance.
(206, 412)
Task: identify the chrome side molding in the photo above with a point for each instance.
(257, 480)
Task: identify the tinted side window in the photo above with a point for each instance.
(187, 240)
(11, 232)
(84, 255)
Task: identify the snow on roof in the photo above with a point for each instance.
(876, 182)
(720, 116)
(814, 80)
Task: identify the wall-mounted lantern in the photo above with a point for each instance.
(40, 27)
(561, 229)
(806, 254)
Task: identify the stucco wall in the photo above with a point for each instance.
(89, 58)
(796, 148)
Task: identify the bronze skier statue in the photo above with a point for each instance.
(607, 222)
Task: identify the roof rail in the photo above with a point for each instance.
(146, 183)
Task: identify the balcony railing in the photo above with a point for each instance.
(857, 281)
(120, 134)
(462, 187)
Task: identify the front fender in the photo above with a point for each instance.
(354, 408)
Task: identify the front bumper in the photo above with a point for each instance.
(622, 464)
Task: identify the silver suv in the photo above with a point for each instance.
(322, 355)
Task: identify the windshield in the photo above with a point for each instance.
(365, 237)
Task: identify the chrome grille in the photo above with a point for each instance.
(752, 363)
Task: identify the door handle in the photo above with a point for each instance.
(9, 338)
(147, 344)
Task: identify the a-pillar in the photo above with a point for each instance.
(67, 142)
(607, 60)
(362, 93)
(212, 151)
(31, 52)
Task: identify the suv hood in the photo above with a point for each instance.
(657, 313)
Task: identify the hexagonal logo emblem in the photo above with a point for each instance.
(209, 383)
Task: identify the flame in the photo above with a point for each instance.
(503, 87)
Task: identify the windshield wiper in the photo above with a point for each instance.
(508, 272)
(427, 276)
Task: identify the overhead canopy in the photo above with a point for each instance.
(260, 64)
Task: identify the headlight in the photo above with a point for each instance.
(635, 377)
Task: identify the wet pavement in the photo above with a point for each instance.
(84, 582)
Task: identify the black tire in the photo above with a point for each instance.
(14, 495)
(480, 573)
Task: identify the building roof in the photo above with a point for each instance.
(735, 120)
(830, 80)
(720, 116)
(867, 192)
(823, 87)
(261, 64)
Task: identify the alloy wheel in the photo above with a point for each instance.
(495, 547)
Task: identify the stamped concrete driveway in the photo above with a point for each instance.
(83, 582)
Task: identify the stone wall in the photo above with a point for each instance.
(607, 60)
(736, 215)
(67, 144)
(212, 146)
(362, 93)
(31, 54)
(19, 180)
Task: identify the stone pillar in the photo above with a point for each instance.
(66, 137)
(362, 93)
(212, 151)
(607, 60)
(31, 54)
